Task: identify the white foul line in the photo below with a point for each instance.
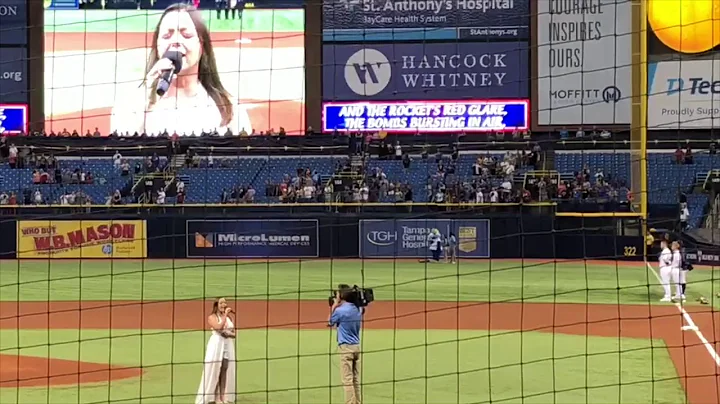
(691, 323)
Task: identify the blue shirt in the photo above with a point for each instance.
(347, 317)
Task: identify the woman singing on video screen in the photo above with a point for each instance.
(196, 100)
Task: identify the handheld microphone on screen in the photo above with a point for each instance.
(164, 83)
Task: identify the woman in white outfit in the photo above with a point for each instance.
(677, 272)
(217, 384)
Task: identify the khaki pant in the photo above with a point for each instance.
(350, 372)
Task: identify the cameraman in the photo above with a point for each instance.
(346, 315)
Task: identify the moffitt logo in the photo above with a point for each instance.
(697, 86)
(211, 240)
(610, 94)
(369, 71)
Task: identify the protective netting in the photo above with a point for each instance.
(108, 297)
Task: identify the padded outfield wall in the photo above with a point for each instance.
(286, 232)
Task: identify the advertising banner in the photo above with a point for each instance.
(13, 119)
(13, 22)
(402, 20)
(252, 238)
(13, 76)
(259, 62)
(81, 239)
(584, 62)
(684, 95)
(407, 238)
(420, 71)
(426, 116)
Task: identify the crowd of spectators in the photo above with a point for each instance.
(490, 179)
(685, 156)
(303, 186)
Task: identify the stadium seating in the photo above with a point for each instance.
(106, 179)
(666, 180)
(205, 185)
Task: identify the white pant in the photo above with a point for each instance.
(670, 275)
(683, 276)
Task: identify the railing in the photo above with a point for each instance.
(284, 205)
(536, 175)
(712, 220)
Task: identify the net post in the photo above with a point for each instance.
(638, 129)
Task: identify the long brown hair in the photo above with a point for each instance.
(207, 70)
(216, 305)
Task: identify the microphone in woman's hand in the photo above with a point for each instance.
(164, 83)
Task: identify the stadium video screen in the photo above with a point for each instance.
(99, 71)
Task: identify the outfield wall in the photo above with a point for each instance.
(325, 235)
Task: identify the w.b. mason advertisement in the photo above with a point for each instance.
(408, 238)
(683, 70)
(584, 60)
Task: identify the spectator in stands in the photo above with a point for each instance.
(689, 155)
(684, 216)
(308, 191)
(398, 150)
(13, 156)
(406, 161)
(564, 133)
(67, 198)
(196, 99)
(37, 197)
(494, 196)
(125, 169)
(116, 198)
(249, 196)
(117, 159)
(679, 155)
(160, 197)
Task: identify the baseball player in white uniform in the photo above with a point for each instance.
(677, 268)
(666, 272)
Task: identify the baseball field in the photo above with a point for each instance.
(475, 332)
(93, 56)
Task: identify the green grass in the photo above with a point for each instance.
(572, 282)
(119, 21)
(398, 367)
